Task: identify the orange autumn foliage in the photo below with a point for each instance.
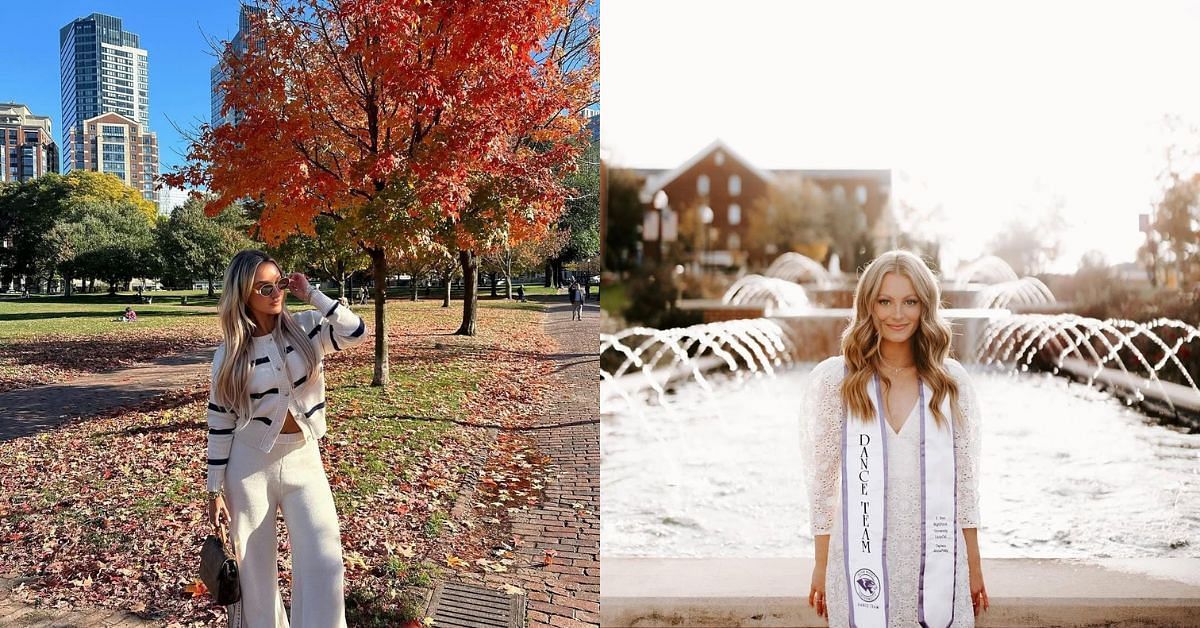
(396, 115)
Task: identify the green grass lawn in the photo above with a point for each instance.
(90, 314)
(19, 320)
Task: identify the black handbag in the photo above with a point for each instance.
(219, 569)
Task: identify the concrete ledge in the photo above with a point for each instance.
(769, 592)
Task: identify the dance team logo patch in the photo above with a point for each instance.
(866, 585)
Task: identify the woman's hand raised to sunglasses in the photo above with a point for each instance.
(298, 285)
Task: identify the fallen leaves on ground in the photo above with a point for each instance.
(109, 511)
(34, 362)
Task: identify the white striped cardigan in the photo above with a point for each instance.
(278, 383)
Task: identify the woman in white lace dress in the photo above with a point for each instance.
(895, 349)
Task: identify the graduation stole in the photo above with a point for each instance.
(864, 517)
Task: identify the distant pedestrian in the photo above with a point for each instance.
(577, 296)
(362, 295)
(521, 293)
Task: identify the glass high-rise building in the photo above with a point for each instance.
(218, 73)
(105, 71)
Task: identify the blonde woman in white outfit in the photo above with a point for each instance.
(892, 442)
(266, 413)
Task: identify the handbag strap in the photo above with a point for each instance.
(225, 536)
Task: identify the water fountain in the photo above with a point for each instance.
(1024, 292)
(988, 269)
(716, 399)
(773, 294)
(798, 268)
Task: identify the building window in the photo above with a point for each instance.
(735, 243)
(719, 158)
(860, 194)
(735, 214)
(735, 185)
(839, 193)
(702, 185)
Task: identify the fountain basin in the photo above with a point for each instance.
(817, 333)
(647, 592)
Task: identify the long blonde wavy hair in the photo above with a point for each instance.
(930, 342)
(237, 324)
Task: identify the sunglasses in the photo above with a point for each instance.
(268, 289)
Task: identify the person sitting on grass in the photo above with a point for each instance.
(129, 317)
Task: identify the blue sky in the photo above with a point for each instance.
(173, 33)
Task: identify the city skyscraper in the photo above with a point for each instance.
(105, 71)
(218, 73)
(28, 144)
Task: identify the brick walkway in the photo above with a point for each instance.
(566, 593)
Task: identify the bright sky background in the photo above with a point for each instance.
(991, 110)
(173, 34)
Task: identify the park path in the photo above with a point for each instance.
(28, 411)
(14, 613)
(566, 593)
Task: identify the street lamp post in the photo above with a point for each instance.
(660, 203)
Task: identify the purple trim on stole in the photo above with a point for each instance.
(921, 578)
(957, 532)
(883, 439)
(954, 514)
(846, 513)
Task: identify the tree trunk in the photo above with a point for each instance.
(470, 268)
(341, 269)
(379, 264)
(549, 272)
(448, 278)
(69, 283)
(492, 276)
(211, 294)
(508, 279)
(414, 287)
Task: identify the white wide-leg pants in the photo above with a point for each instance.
(291, 479)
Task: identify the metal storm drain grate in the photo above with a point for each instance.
(469, 606)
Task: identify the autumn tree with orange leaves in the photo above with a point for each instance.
(394, 116)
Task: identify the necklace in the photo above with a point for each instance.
(895, 369)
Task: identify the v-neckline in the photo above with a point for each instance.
(907, 417)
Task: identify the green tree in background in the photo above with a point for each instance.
(329, 254)
(1175, 220)
(624, 229)
(193, 245)
(582, 216)
(109, 240)
(30, 210)
(793, 217)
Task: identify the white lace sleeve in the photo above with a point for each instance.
(820, 442)
(966, 449)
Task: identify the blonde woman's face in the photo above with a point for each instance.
(267, 273)
(897, 310)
